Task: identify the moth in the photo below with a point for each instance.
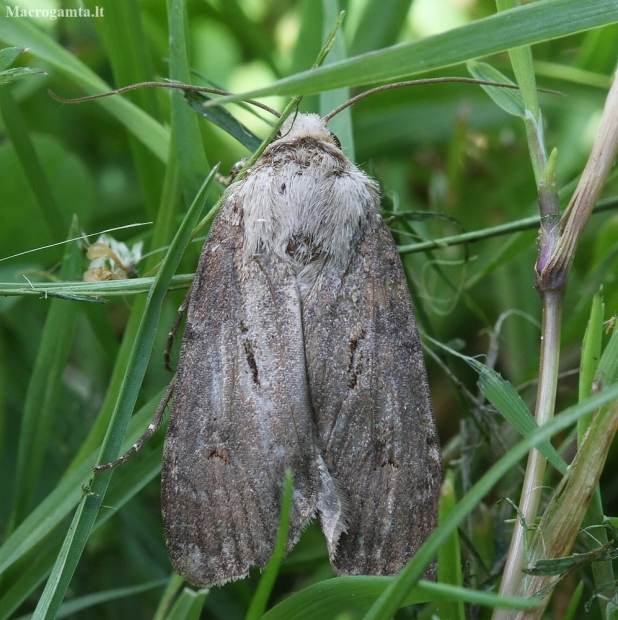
(300, 351)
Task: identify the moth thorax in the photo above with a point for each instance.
(304, 203)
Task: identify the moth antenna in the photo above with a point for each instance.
(178, 85)
(150, 431)
(293, 115)
(438, 80)
(167, 355)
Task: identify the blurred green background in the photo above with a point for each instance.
(447, 158)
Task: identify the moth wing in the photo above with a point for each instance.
(240, 416)
(371, 400)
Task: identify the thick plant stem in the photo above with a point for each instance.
(535, 470)
(548, 380)
(558, 240)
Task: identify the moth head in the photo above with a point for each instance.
(306, 126)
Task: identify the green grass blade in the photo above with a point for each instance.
(591, 355)
(509, 100)
(82, 603)
(222, 118)
(189, 151)
(88, 508)
(111, 288)
(11, 75)
(31, 535)
(504, 397)
(380, 25)
(27, 582)
(574, 602)
(449, 556)
(188, 605)
(341, 125)
(561, 522)
(22, 32)
(48, 515)
(161, 235)
(523, 67)
(62, 572)
(395, 594)
(125, 45)
(44, 388)
(8, 56)
(262, 594)
(525, 25)
(521, 60)
(602, 368)
(607, 370)
(352, 596)
(307, 46)
(174, 584)
(526, 223)
(55, 219)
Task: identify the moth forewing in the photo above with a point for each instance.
(300, 351)
(240, 416)
(373, 409)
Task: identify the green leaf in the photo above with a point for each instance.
(395, 594)
(262, 594)
(24, 33)
(508, 99)
(504, 397)
(192, 163)
(558, 566)
(223, 119)
(8, 56)
(354, 595)
(44, 388)
(523, 67)
(525, 25)
(11, 75)
(449, 556)
(188, 605)
(88, 508)
(81, 603)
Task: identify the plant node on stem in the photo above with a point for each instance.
(558, 239)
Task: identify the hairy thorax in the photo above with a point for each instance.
(303, 201)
